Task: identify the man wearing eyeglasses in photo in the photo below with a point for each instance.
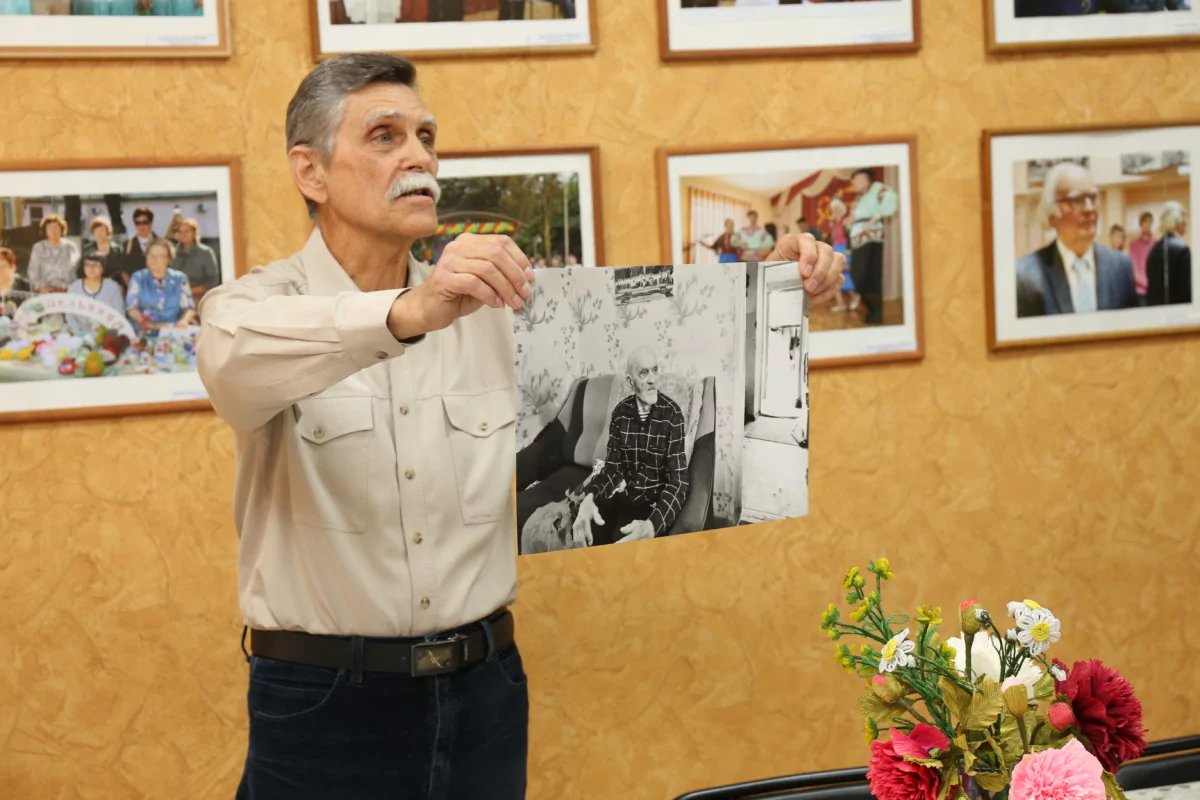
(135, 246)
(1074, 273)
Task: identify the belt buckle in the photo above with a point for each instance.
(437, 657)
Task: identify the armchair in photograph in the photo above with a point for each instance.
(563, 453)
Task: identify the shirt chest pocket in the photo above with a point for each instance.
(328, 470)
(482, 434)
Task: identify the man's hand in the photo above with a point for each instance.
(581, 530)
(638, 529)
(473, 271)
(820, 267)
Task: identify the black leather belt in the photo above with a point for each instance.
(417, 657)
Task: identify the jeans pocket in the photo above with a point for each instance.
(511, 667)
(282, 692)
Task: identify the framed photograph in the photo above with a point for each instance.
(660, 400)
(732, 204)
(1032, 25)
(723, 29)
(58, 29)
(547, 200)
(102, 266)
(1087, 233)
(453, 28)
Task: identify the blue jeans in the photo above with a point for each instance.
(326, 734)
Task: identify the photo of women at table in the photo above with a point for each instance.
(390, 12)
(104, 8)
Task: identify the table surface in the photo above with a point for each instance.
(1182, 791)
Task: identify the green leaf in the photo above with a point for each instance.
(1114, 789)
(1044, 688)
(985, 706)
(874, 707)
(933, 763)
(957, 700)
(991, 781)
(949, 781)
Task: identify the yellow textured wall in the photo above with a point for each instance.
(1068, 475)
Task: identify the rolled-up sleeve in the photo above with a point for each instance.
(260, 350)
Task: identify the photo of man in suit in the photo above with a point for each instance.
(1074, 273)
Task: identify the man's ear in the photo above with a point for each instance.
(308, 171)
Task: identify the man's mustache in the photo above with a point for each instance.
(411, 182)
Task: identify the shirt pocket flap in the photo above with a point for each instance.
(323, 419)
(483, 414)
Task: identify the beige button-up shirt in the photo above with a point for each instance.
(374, 480)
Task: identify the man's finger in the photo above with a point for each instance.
(503, 253)
(521, 260)
(495, 277)
(628, 528)
(467, 283)
(596, 515)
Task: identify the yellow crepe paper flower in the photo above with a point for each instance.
(931, 615)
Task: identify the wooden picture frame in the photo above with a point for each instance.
(196, 187)
(1008, 34)
(45, 36)
(771, 31)
(582, 159)
(778, 167)
(1012, 285)
(536, 37)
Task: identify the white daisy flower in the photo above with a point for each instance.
(1037, 629)
(897, 653)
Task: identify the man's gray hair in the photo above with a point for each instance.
(1173, 211)
(317, 108)
(1047, 208)
(639, 354)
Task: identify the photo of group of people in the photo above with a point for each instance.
(105, 8)
(1091, 233)
(707, 28)
(660, 400)
(103, 280)
(734, 206)
(387, 12)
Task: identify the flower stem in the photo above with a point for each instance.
(969, 640)
(1024, 734)
(912, 710)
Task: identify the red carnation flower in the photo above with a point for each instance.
(1107, 712)
(893, 778)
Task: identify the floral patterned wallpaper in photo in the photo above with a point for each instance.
(572, 327)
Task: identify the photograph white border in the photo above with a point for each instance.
(431, 38)
(784, 27)
(1006, 149)
(1090, 29)
(131, 390)
(580, 162)
(62, 36)
(874, 342)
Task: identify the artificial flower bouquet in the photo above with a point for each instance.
(985, 715)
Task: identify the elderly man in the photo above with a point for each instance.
(372, 398)
(1169, 262)
(195, 259)
(644, 481)
(1074, 273)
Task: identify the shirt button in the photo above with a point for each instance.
(417, 537)
(483, 426)
(408, 473)
(318, 434)
(424, 602)
(381, 355)
(403, 409)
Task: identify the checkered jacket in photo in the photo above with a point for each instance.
(648, 456)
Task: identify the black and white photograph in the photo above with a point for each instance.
(1091, 234)
(114, 28)
(714, 29)
(547, 200)
(102, 271)
(1024, 25)
(734, 203)
(452, 27)
(637, 387)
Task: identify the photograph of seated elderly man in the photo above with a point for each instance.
(644, 482)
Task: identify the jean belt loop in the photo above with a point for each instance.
(491, 638)
(357, 644)
(245, 652)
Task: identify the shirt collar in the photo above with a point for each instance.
(1068, 256)
(326, 277)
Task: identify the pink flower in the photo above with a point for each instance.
(1062, 717)
(893, 778)
(1011, 682)
(1071, 773)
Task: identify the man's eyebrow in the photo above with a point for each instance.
(371, 119)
